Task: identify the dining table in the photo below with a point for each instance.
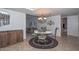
(42, 34)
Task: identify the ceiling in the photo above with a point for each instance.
(50, 11)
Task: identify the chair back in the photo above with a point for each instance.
(56, 31)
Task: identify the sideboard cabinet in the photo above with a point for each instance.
(10, 37)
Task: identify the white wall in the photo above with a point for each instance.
(57, 20)
(17, 22)
(72, 25)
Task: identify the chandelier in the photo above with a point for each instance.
(42, 18)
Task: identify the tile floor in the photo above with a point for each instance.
(65, 44)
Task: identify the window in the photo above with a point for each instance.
(4, 18)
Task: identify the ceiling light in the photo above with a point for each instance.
(3, 12)
(40, 18)
(45, 18)
(31, 8)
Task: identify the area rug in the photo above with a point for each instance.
(46, 43)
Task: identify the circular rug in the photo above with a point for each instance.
(43, 43)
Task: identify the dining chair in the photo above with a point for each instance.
(56, 32)
(53, 35)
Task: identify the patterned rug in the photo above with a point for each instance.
(43, 43)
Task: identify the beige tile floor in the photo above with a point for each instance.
(65, 44)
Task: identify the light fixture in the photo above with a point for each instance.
(31, 9)
(3, 12)
(45, 18)
(42, 18)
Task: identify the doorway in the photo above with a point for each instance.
(64, 26)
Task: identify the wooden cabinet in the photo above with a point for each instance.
(3, 40)
(10, 37)
(19, 36)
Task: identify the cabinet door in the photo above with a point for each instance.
(12, 37)
(3, 39)
(20, 36)
(0, 40)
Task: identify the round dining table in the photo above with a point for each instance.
(42, 34)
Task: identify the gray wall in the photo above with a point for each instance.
(56, 20)
(78, 26)
(31, 21)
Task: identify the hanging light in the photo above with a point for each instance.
(32, 9)
(42, 18)
(45, 18)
